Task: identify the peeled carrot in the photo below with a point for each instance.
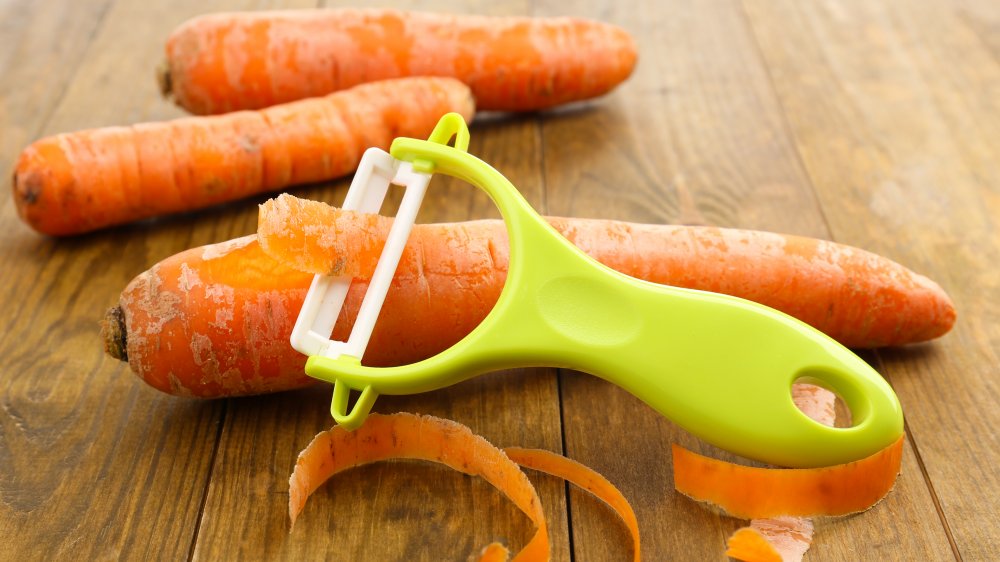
(409, 436)
(215, 321)
(223, 62)
(77, 182)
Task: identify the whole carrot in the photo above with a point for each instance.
(215, 321)
(76, 182)
(228, 61)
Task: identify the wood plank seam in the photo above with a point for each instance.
(560, 373)
(208, 480)
(934, 497)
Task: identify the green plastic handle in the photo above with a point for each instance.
(719, 366)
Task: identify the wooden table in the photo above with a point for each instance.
(874, 123)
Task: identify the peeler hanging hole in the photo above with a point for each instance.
(821, 406)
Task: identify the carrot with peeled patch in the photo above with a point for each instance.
(410, 436)
(229, 61)
(77, 182)
(215, 321)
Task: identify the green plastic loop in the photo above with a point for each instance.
(451, 125)
(356, 417)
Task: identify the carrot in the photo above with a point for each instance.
(215, 321)
(859, 298)
(751, 492)
(409, 436)
(223, 62)
(77, 182)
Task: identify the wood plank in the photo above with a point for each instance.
(696, 135)
(893, 106)
(92, 464)
(407, 510)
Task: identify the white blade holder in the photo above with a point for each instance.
(321, 308)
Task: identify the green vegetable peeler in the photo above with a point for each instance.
(721, 367)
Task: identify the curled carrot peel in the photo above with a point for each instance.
(750, 492)
(584, 477)
(411, 436)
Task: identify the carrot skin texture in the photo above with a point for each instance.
(77, 182)
(229, 61)
(214, 321)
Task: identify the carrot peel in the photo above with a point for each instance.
(750, 492)
(584, 477)
(750, 546)
(411, 436)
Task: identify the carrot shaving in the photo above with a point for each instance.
(411, 436)
(780, 499)
(584, 477)
(788, 537)
(750, 492)
(750, 546)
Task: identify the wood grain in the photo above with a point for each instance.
(907, 93)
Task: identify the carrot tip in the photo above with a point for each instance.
(115, 334)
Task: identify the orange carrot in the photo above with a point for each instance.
(751, 492)
(859, 298)
(223, 62)
(409, 436)
(76, 182)
(215, 321)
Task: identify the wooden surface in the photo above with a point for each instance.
(874, 123)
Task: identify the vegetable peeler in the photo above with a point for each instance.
(719, 366)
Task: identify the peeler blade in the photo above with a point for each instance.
(325, 299)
